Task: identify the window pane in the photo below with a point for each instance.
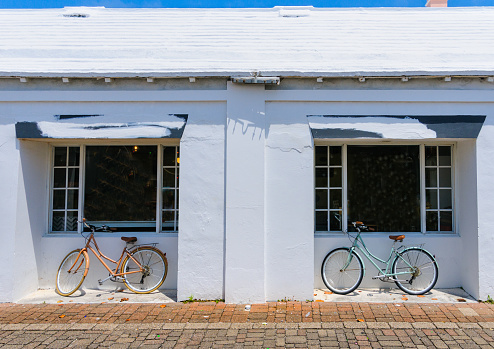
(335, 220)
(321, 199)
(59, 178)
(60, 156)
(335, 198)
(168, 198)
(72, 199)
(445, 177)
(445, 198)
(73, 181)
(71, 220)
(74, 156)
(321, 156)
(322, 177)
(169, 177)
(321, 221)
(335, 177)
(169, 156)
(121, 186)
(446, 221)
(444, 156)
(58, 221)
(168, 220)
(59, 199)
(431, 198)
(384, 187)
(335, 156)
(430, 156)
(431, 177)
(431, 221)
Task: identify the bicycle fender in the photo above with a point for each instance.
(418, 248)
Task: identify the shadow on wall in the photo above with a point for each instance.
(241, 125)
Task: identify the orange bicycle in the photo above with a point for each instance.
(142, 268)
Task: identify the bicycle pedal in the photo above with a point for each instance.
(100, 282)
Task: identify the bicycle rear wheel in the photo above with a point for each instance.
(154, 274)
(72, 272)
(420, 268)
(337, 279)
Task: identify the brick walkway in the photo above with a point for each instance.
(271, 325)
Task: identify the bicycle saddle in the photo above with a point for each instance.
(131, 239)
(397, 237)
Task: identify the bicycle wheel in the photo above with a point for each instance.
(72, 272)
(421, 269)
(337, 279)
(155, 268)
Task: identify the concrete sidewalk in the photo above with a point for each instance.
(375, 295)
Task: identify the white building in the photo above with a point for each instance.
(255, 102)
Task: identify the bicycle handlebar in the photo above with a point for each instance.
(103, 228)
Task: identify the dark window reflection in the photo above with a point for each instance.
(121, 186)
(384, 187)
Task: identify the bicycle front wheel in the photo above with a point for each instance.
(72, 272)
(419, 271)
(154, 265)
(336, 276)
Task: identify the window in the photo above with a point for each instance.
(118, 185)
(65, 194)
(392, 188)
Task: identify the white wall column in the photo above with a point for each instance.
(245, 240)
(9, 171)
(289, 204)
(466, 211)
(202, 205)
(485, 154)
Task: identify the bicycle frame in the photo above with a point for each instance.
(97, 252)
(385, 273)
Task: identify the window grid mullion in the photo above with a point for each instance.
(328, 166)
(159, 189)
(82, 182)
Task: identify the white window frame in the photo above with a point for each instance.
(423, 209)
(82, 181)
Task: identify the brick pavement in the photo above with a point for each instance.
(271, 325)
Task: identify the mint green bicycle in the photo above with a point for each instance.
(414, 270)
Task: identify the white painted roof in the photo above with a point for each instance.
(232, 42)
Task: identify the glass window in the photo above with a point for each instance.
(171, 162)
(385, 186)
(117, 185)
(120, 186)
(65, 193)
(439, 189)
(328, 195)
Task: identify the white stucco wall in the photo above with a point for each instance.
(9, 170)
(246, 184)
(245, 194)
(201, 241)
(289, 209)
(485, 156)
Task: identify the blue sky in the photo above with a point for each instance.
(230, 3)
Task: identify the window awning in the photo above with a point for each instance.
(71, 127)
(396, 127)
